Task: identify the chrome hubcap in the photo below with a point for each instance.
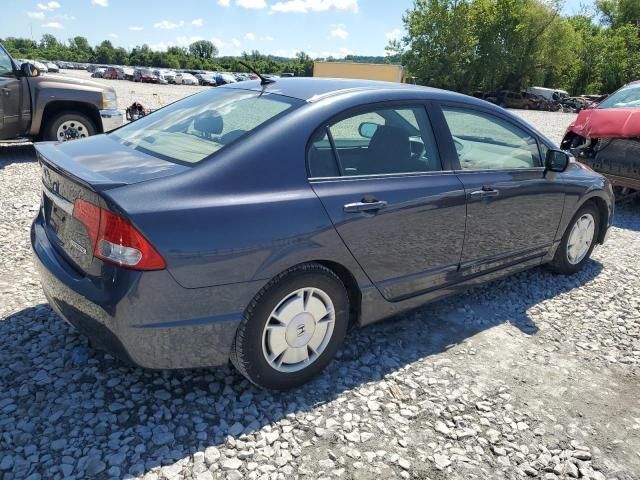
(71, 130)
(580, 238)
(298, 330)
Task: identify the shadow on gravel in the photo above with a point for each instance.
(78, 406)
(627, 216)
(16, 154)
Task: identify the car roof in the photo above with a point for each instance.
(312, 89)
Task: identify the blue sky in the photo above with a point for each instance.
(282, 27)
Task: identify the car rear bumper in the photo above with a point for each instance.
(145, 318)
(111, 119)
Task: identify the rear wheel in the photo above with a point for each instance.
(69, 126)
(292, 328)
(577, 242)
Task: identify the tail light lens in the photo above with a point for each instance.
(115, 240)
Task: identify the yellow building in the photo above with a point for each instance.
(366, 71)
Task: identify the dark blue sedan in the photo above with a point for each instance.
(257, 222)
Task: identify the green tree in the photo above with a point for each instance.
(617, 13)
(104, 53)
(203, 49)
(440, 43)
(48, 41)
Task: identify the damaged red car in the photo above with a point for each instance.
(607, 137)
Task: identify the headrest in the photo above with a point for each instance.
(209, 122)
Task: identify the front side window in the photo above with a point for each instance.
(381, 141)
(486, 142)
(192, 129)
(6, 67)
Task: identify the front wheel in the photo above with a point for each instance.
(292, 328)
(577, 242)
(69, 126)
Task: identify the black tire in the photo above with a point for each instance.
(88, 128)
(247, 350)
(560, 263)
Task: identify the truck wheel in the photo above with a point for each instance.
(69, 126)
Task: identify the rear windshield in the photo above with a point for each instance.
(196, 127)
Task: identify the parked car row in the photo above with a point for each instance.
(164, 76)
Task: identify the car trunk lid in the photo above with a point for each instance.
(74, 170)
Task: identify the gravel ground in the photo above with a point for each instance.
(533, 376)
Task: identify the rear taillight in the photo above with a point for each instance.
(115, 240)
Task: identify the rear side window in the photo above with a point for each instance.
(192, 129)
(486, 142)
(376, 142)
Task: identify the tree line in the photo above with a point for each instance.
(468, 45)
(200, 55)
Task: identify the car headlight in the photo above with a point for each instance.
(109, 100)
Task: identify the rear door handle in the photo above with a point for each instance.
(485, 192)
(6, 91)
(364, 206)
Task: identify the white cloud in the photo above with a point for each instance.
(339, 31)
(160, 46)
(182, 41)
(224, 3)
(250, 36)
(286, 53)
(37, 15)
(217, 42)
(48, 6)
(340, 53)
(100, 3)
(253, 4)
(304, 6)
(168, 25)
(53, 25)
(198, 22)
(63, 16)
(269, 38)
(395, 34)
(135, 28)
(113, 35)
(185, 41)
(235, 42)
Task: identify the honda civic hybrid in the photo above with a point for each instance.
(257, 222)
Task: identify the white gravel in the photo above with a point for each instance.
(533, 376)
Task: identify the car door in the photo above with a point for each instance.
(513, 206)
(10, 91)
(378, 173)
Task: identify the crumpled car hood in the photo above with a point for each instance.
(607, 123)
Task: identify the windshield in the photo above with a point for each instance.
(624, 98)
(196, 127)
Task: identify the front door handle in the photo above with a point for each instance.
(366, 205)
(484, 192)
(6, 91)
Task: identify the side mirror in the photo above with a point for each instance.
(367, 129)
(556, 161)
(30, 70)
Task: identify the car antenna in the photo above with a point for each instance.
(263, 80)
